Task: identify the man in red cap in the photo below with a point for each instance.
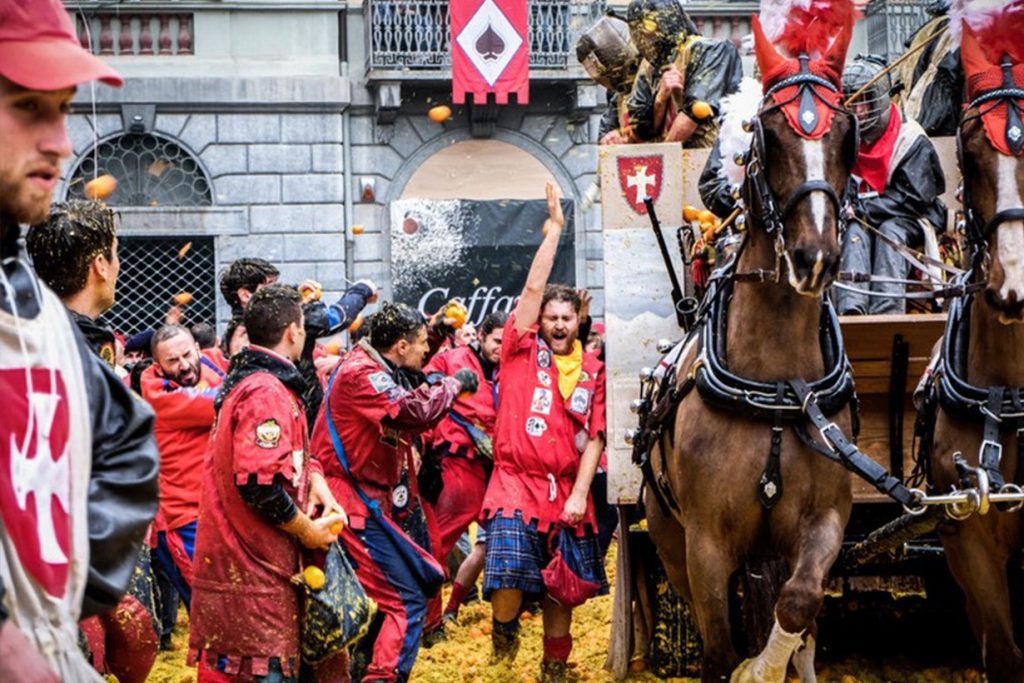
(78, 481)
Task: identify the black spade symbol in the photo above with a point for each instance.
(490, 45)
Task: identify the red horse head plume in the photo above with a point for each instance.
(993, 58)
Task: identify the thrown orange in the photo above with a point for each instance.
(440, 113)
(183, 298)
(314, 577)
(101, 187)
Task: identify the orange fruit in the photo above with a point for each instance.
(337, 528)
(358, 229)
(690, 213)
(701, 109)
(458, 313)
(356, 324)
(101, 187)
(184, 250)
(314, 577)
(333, 348)
(183, 298)
(440, 113)
(706, 216)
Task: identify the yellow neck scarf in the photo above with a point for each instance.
(569, 368)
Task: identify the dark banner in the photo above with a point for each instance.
(477, 251)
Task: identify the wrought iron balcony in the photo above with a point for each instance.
(411, 38)
(891, 23)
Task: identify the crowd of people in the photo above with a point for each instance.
(171, 469)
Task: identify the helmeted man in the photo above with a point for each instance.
(246, 275)
(895, 188)
(680, 68)
(608, 56)
(78, 468)
(364, 441)
(549, 437)
(260, 492)
(181, 389)
(463, 441)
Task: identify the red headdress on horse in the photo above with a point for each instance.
(993, 57)
(793, 37)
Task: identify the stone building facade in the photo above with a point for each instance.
(298, 119)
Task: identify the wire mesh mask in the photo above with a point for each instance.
(874, 104)
(607, 55)
(658, 27)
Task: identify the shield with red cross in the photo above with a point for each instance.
(640, 178)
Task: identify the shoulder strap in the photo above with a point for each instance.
(339, 451)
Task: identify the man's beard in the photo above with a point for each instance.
(195, 373)
(30, 213)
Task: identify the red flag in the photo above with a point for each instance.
(490, 50)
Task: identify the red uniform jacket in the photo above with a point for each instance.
(243, 605)
(184, 417)
(214, 358)
(376, 420)
(540, 435)
(478, 409)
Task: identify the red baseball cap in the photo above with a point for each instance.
(40, 51)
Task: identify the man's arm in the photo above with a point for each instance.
(424, 407)
(528, 309)
(576, 506)
(322, 320)
(123, 491)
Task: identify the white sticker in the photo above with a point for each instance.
(400, 496)
(544, 378)
(541, 402)
(297, 459)
(535, 426)
(580, 401)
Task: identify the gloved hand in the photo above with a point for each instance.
(469, 380)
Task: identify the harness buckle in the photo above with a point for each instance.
(989, 446)
(829, 441)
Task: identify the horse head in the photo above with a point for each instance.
(990, 144)
(804, 147)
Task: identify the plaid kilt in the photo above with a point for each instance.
(517, 552)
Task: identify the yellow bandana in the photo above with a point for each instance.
(569, 368)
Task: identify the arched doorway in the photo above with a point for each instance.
(467, 224)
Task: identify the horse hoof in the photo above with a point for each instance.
(746, 672)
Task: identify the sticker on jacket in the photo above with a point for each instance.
(535, 426)
(381, 382)
(544, 378)
(543, 358)
(268, 434)
(541, 402)
(580, 401)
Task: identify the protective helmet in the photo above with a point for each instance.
(873, 106)
(657, 28)
(607, 55)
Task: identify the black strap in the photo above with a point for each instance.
(991, 453)
(769, 488)
(842, 450)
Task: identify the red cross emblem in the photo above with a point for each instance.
(35, 473)
(639, 178)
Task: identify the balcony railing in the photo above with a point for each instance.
(136, 34)
(891, 22)
(414, 35)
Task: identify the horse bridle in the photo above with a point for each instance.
(757, 187)
(976, 232)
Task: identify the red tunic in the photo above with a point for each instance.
(184, 417)
(539, 435)
(478, 408)
(243, 605)
(363, 397)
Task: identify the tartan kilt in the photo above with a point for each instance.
(517, 552)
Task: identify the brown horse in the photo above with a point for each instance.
(711, 461)
(980, 378)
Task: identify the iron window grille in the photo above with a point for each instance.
(891, 22)
(154, 270)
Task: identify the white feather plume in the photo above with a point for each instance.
(732, 139)
(775, 13)
(977, 14)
